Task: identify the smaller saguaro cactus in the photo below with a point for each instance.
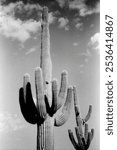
(84, 136)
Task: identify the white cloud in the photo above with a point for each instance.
(79, 25)
(95, 42)
(83, 8)
(10, 122)
(61, 2)
(15, 28)
(31, 50)
(63, 23)
(75, 44)
(51, 17)
(93, 46)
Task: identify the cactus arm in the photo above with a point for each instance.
(63, 89)
(40, 93)
(26, 101)
(27, 105)
(30, 116)
(72, 139)
(92, 133)
(26, 79)
(61, 118)
(77, 109)
(88, 140)
(54, 96)
(88, 114)
(86, 132)
(58, 98)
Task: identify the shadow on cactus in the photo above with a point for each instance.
(83, 135)
(48, 98)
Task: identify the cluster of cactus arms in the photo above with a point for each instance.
(84, 137)
(48, 99)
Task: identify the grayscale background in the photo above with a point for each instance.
(74, 37)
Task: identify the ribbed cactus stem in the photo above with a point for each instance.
(45, 61)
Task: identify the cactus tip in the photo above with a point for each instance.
(90, 105)
(70, 87)
(64, 72)
(26, 75)
(55, 80)
(74, 87)
(37, 69)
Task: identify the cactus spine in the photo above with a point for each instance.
(49, 100)
(84, 136)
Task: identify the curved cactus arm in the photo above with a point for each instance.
(63, 89)
(26, 101)
(88, 114)
(58, 98)
(40, 93)
(30, 117)
(72, 139)
(61, 118)
(77, 110)
(54, 96)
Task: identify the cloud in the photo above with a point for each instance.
(75, 44)
(84, 9)
(10, 122)
(93, 46)
(63, 23)
(77, 22)
(51, 17)
(61, 2)
(79, 25)
(95, 42)
(31, 50)
(14, 25)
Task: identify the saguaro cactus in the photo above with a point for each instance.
(49, 100)
(84, 136)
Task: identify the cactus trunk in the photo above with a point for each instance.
(45, 133)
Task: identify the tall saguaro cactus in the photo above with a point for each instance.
(49, 100)
(84, 136)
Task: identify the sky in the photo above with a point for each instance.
(74, 40)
